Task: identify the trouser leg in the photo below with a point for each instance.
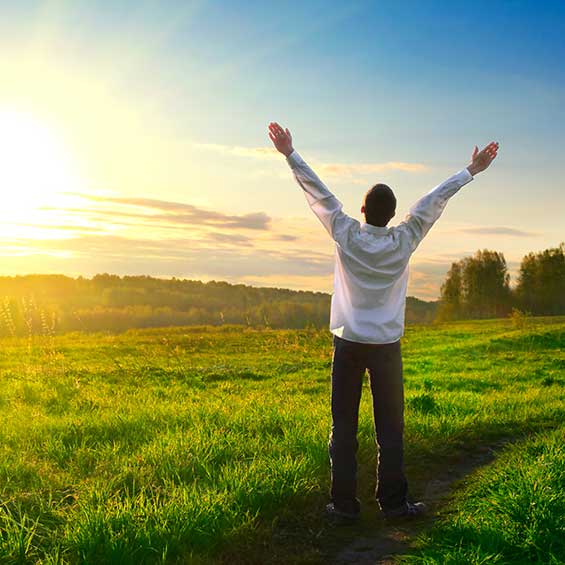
(385, 372)
(348, 369)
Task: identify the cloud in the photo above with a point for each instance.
(498, 230)
(174, 213)
(423, 285)
(61, 227)
(182, 257)
(231, 238)
(329, 169)
(285, 237)
(356, 169)
(426, 277)
(163, 224)
(240, 151)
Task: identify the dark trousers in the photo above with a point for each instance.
(384, 363)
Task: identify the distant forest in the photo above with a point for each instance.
(47, 304)
(479, 286)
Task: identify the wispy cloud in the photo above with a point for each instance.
(498, 230)
(231, 238)
(332, 169)
(182, 256)
(356, 169)
(241, 151)
(60, 227)
(174, 213)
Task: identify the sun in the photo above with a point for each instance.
(35, 164)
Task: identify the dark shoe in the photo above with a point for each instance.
(338, 517)
(408, 510)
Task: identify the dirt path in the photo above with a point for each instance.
(385, 541)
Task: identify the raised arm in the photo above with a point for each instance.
(323, 203)
(428, 209)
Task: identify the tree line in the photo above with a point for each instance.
(47, 304)
(479, 286)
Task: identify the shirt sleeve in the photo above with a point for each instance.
(429, 208)
(322, 202)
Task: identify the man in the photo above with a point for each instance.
(367, 321)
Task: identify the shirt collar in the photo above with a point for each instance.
(374, 229)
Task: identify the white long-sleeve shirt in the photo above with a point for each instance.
(371, 262)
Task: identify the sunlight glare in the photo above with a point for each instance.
(35, 164)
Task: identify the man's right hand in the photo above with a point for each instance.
(480, 160)
(281, 139)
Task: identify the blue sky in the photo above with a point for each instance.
(169, 101)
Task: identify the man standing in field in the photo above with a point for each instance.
(367, 321)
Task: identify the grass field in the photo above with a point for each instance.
(199, 445)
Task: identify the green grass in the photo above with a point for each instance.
(199, 445)
(510, 512)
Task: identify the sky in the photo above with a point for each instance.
(133, 133)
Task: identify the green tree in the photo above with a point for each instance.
(541, 282)
(486, 284)
(476, 287)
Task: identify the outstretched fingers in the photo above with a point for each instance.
(281, 139)
(276, 133)
(276, 130)
(491, 150)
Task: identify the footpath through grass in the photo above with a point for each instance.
(510, 512)
(203, 445)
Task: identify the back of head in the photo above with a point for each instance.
(379, 205)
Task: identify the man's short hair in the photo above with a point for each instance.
(380, 205)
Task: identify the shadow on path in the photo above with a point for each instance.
(379, 542)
